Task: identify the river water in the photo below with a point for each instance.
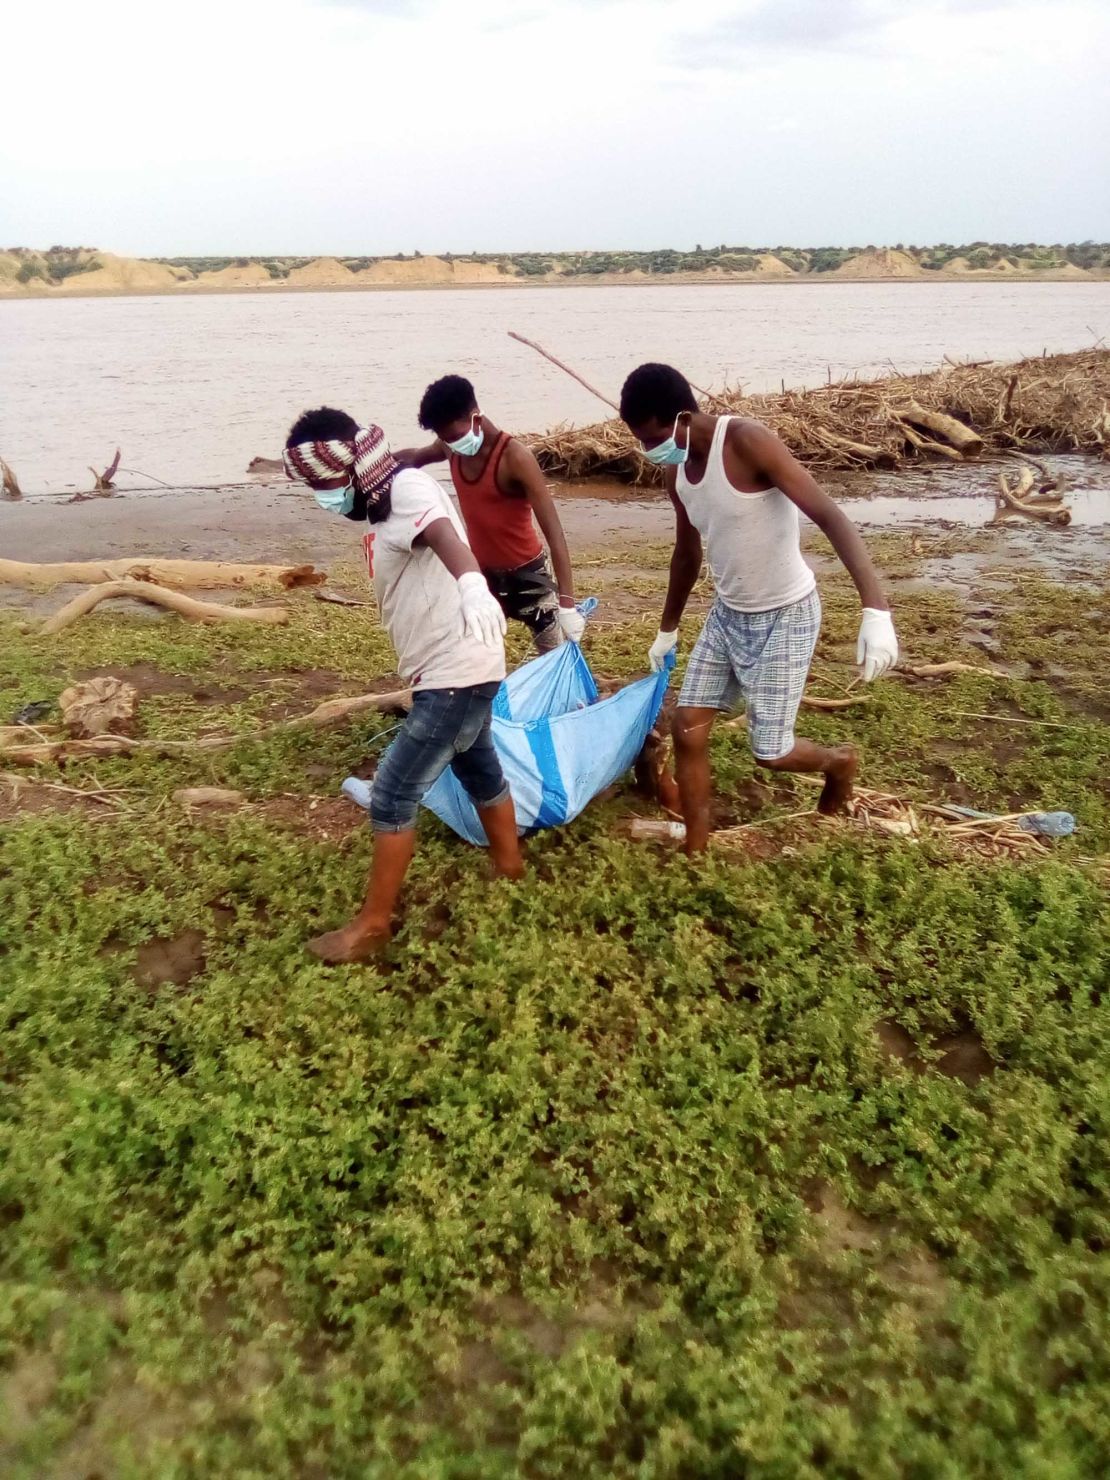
(192, 388)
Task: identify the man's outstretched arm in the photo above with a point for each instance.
(877, 647)
(420, 457)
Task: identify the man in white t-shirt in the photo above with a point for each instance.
(448, 631)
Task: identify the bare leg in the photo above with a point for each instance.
(839, 763)
(368, 933)
(691, 756)
(547, 639)
(499, 823)
(653, 775)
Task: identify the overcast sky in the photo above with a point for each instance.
(378, 126)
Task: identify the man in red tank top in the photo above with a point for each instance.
(503, 496)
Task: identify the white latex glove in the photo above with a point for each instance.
(877, 648)
(480, 617)
(665, 643)
(572, 623)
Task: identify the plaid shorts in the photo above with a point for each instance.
(761, 658)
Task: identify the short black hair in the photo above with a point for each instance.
(445, 400)
(655, 393)
(325, 424)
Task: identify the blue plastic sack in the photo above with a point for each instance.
(559, 745)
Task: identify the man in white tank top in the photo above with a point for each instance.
(736, 491)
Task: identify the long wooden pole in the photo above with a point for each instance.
(574, 375)
(531, 343)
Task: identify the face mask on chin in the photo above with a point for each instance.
(335, 500)
(669, 453)
(471, 443)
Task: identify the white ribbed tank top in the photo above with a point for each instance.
(751, 539)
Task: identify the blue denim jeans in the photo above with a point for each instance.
(445, 727)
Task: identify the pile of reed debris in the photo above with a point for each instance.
(1055, 403)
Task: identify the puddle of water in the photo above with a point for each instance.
(1090, 507)
(965, 493)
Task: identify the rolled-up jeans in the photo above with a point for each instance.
(445, 727)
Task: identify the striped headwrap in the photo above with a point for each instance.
(366, 456)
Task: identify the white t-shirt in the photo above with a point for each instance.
(418, 597)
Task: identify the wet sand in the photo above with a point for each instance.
(271, 523)
(268, 524)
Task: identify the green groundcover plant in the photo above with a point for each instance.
(790, 1164)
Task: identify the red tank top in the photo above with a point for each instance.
(499, 527)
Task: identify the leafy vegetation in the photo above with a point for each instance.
(787, 1164)
(61, 262)
(665, 262)
(54, 265)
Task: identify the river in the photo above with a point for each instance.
(192, 387)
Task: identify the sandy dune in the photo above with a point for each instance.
(321, 272)
(884, 263)
(112, 274)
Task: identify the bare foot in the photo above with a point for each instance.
(837, 790)
(341, 947)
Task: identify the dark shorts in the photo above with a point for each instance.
(529, 594)
(445, 727)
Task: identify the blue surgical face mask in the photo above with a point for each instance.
(470, 444)
(669, 453)
(335, 500)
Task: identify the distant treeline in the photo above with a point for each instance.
(59, 262)
(1089, 255)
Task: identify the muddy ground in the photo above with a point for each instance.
(270, 522)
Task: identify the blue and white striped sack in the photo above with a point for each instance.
(558, 743)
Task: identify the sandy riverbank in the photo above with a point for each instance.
(105, 274)
(615, 280)
(272, 523)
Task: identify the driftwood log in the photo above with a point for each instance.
(944, 670)
(186, 606)
(9, 483)
(103, 483)
(183, 574)
(99, 706)
(1052, 512)
(967, 442)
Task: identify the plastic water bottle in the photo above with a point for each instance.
(1048, 824)
(645, 829)
(358, 791)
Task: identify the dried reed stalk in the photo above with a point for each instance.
(1056, 403)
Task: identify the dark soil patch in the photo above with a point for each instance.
(306, 690)
(26, 1388)
(950, 785)
(151, 680)
(964, 1057)
(326, 820)
(26, 798)
(841, 1227)
(169, 961)
(897, 1043)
